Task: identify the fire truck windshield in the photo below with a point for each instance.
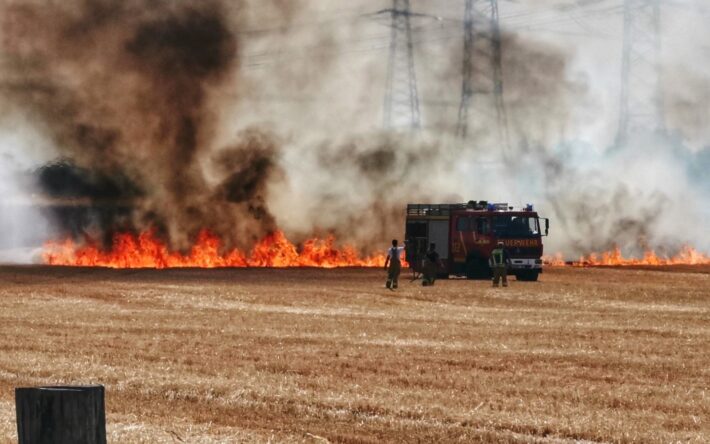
(516, 226)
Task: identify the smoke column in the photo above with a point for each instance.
(129, 91)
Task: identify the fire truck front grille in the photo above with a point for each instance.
(524, 252)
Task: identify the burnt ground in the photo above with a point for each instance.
(305, 355)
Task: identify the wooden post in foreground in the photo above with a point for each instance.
(61, 415)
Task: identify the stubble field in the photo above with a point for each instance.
(603, 355)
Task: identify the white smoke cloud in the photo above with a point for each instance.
(23, 226)
(562, 91)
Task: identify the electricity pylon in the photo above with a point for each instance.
(401, 95)
(482, 57)
(466, 70)
(641, 107)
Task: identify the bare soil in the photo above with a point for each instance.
(599, 355)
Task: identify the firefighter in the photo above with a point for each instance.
(431, 262)
(499, 264)
(393, 265)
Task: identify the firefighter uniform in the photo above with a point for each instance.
(394, 268)
(499, 264)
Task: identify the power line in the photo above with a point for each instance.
(337, 19)
(451, 26)
(380, 42)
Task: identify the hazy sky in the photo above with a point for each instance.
(355, 44)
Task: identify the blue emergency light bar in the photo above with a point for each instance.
(505, 207)
(445, 209)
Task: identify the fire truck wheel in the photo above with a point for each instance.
(527, 275)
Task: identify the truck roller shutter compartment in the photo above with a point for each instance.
(439, 234)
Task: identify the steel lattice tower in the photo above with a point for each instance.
(482, 40)
(401, 96)
(466, 70)
(641, 107)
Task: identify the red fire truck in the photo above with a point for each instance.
(466, 234)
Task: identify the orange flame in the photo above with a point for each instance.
(614, 258)
(555, 261)
(147, 251)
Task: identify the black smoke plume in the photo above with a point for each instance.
(129, 93)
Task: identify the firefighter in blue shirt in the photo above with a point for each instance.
(393, 265)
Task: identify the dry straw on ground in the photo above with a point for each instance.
(315, 356)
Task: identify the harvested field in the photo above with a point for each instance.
(612, 355)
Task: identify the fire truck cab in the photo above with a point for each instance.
(466, 234)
